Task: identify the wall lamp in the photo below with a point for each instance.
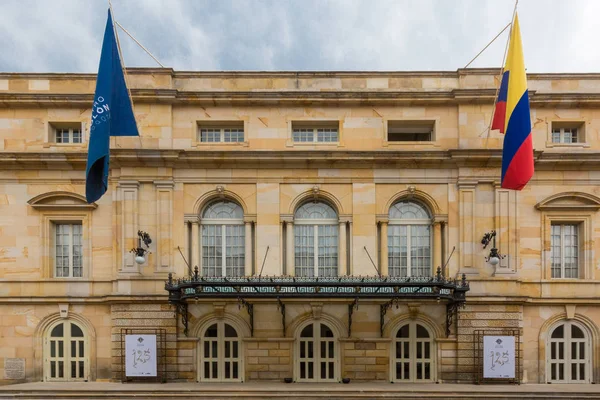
(139, 251)
(494, 257)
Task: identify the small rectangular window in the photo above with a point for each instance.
(564, 243)
(66, 132)
(315, 131)
(410, 131)
(221, 131)
(567, 132)
(68, 250)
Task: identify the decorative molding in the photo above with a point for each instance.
(219, 193)
(570, 310)
(575, 201)
(63, 310)
(317, 309)
(412, 193)
(60, 200)
(413, 310)
(219, 310)
(320, 195)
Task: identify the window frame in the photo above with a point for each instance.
(52, 133)
(223, 223)
(584, 223)
(416, 121)
(71, 267)
(562, 124)
(316, 340)
(48, 222)
(314, 125)
(221, 125)
(409, 223)
(563, 224)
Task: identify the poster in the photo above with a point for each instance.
(140, 355)
(499, 357)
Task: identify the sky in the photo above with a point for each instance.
(299, 35)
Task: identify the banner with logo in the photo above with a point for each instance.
(499, 357)
(140, 355)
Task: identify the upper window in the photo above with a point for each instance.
(66, 132)
(221, 132)
(410, 131)
(568, 132)
(316, 240)
(409, 240)
(223, 239)
(564, 244)
(68, 255)
(315, 131)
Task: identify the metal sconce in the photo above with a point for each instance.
(494, 257)
(139, 251)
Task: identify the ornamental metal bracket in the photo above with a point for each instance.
(250, 309)
(451, 312)
(383, 308)
(281, 308)
(351, 308)
(182, 309)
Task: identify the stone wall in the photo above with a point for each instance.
(366, 359)
(269, 359)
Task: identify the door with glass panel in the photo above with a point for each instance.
(221, 354)
(317, 354)
(223, 239)
(66, 357)
(316, 240)
(569, 358)
(409, 240)
(413, 354)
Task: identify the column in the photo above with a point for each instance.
(342, 266)
(351, 259)
(248, 248)
(289, 248)
(195, 261)
(437, 246)
(383, 270)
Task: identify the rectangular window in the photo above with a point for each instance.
(410, 131)
(221, 132)
(315, 131)
(567, 132)
(565, 251)
(68, 251)
(66, 132)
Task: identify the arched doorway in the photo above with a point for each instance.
(66, 352)
(413, 354)
(568, 354)
(221, 354)
(317, 354)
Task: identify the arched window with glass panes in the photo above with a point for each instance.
(316, 227)
(409, 240)
(66, 352)
(221, 354)
(223, 239)
(568, 354)
(413, 354)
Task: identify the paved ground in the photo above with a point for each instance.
(262, 390)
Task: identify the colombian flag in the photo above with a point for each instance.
(512, 116)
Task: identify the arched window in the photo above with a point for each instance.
(409, 240)
(568, 354)
(223, 239)
(316, 240)
(317, 354)
(221, 354)
(413, 354)
(66, 353)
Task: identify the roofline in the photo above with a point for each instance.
(298, 74)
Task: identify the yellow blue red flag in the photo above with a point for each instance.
(513, 117)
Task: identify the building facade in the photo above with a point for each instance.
(329, 175)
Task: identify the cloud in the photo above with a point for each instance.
(65, 35)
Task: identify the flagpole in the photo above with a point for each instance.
(123, 67)
(501, 72)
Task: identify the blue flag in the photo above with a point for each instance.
(112, 115)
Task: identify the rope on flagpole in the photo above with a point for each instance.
(139, 44)
(488, 45)
(489, 128)
(123, 67)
